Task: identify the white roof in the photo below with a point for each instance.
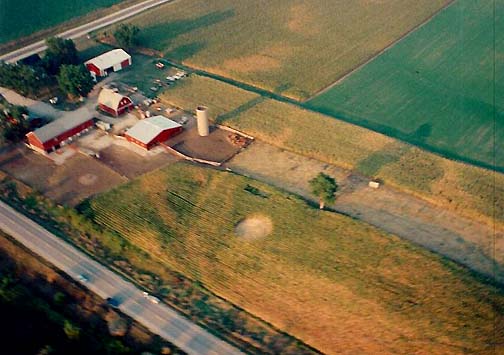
(67, 122)
(109, 59)
(110, 98)
(148, 129)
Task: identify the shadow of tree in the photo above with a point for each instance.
(160, 36)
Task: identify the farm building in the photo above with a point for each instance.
(113, 103)
(151, 131)
(57, 133)
(107, 63)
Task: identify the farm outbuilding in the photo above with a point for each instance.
(108, 62)
(57, 133)
(151, 131)
(113, 103)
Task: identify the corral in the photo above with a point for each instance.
(435, 88)
(368, 286)
(290, 48)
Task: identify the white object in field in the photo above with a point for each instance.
(374, 184)
(202, 118)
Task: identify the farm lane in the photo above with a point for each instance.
(159, 318)
(79, 31)
(461, 239)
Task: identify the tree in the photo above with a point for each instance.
(14, 122)
(71, 330)
(324, 187)
(20, 78)
(127, 35)
(59, 52)
(75, 80)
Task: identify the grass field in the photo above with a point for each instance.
(466, 189)
(289, 47)
(435, 88)
(338, 284)
(21, 18)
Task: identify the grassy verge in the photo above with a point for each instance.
(316, 275)
(450, 184)
(44, 22)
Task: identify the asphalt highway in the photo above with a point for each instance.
(79, 31)
(157, 317)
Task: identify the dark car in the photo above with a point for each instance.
(112, 302)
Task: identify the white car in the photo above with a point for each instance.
(83, 278)
(151, 298)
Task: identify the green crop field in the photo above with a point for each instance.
(289, 47)
(20, 18)
(332, 281)
(461, 187)
(436, 87)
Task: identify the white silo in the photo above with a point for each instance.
(202, 118)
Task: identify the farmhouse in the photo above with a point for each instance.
(151, 131)
(113, 103)
(57, 133)
(107, 63)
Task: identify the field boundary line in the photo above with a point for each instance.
(374, 56)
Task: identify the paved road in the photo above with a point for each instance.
(159, 318)
(79, 31)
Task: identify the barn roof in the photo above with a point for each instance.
(110, 98)
(148, 129)
(109, 59)
(67, 122)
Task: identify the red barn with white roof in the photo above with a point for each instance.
(108, 62)
(113, 102)
(151, 131)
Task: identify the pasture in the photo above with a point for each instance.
(20, 18)
(440, 88)
(466, 189)
(338, 284)
(294, 48)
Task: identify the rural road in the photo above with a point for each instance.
(79, 31)
(159, 318)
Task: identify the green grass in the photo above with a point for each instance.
(466, 189)
(20, 18)
(435, 89)
(285, 47)
(332, 281)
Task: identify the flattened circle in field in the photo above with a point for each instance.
(87, 179)
(254, 227)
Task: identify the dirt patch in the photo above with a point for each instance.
(88, 179)
(254, 227)
(78, 177)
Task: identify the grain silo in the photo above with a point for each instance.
(202, 118)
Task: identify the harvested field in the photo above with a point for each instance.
(466, 189)
(79, 177)
(440, 88)
(290, 47)
(337, 284)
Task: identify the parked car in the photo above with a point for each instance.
(112, 302)
(83, 278)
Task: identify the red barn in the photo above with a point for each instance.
(151, 131)
(113, 103)
(107, 63)
(57, 133)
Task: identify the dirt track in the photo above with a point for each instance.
(463, 240)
